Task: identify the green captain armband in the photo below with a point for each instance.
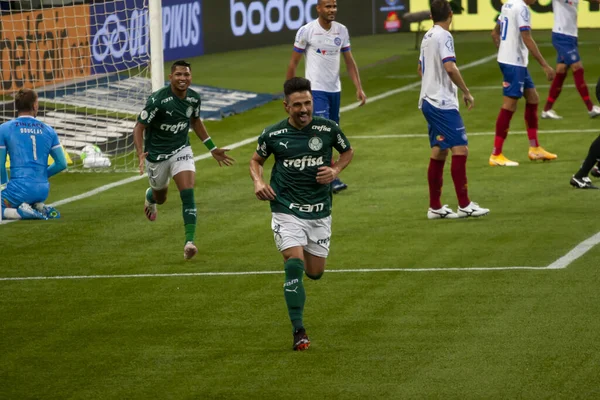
(209, 144)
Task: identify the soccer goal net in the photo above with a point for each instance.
(89, 61)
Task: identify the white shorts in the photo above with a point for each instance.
(160, 173)
(311, 234)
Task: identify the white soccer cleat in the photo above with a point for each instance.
(472, 210)
(550, 114)
(595, 112)
(150, 209)
(189, 251)
(441, 213)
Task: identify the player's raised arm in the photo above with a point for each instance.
(218, 154)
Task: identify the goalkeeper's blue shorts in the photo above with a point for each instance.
(20, 191)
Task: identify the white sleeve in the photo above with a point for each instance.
(524, 19)
(446, 43)
(345, 40)
(301, 40)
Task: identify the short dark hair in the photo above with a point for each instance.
(296, 84)
(180, 63)
(25, 99)
(440, 10)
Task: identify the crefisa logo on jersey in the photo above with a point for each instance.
(272, 15)
(315, 143)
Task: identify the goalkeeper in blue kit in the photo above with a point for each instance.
(28, 142)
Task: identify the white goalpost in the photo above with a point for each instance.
(93, 64)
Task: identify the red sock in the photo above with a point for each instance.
(435, 177)
(531, 121)
(502, 125)
(459, 176)
(582, 88)
(555, 90)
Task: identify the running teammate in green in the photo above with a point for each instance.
(300, 192)
(161, 138)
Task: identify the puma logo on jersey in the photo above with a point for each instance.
(284, 144)
(275, 133)
(170, 113)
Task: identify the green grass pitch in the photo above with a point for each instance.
(450, 332)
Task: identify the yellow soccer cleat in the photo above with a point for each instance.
(538, 153)
(502, 161)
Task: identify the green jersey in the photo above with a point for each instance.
(167, 121)
(298, 156)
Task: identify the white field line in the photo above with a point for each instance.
(418, 135)
(561, 263)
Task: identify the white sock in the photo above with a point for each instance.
(11, 213)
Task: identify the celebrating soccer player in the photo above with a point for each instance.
(564, 39)
(439, 104)
(512, 36)
(161, 138)
(299, 192)
(322, 41)
(28, 142)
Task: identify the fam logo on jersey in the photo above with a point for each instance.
(337, 41)
(315, 143)
(189, 111)
(439, 138)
